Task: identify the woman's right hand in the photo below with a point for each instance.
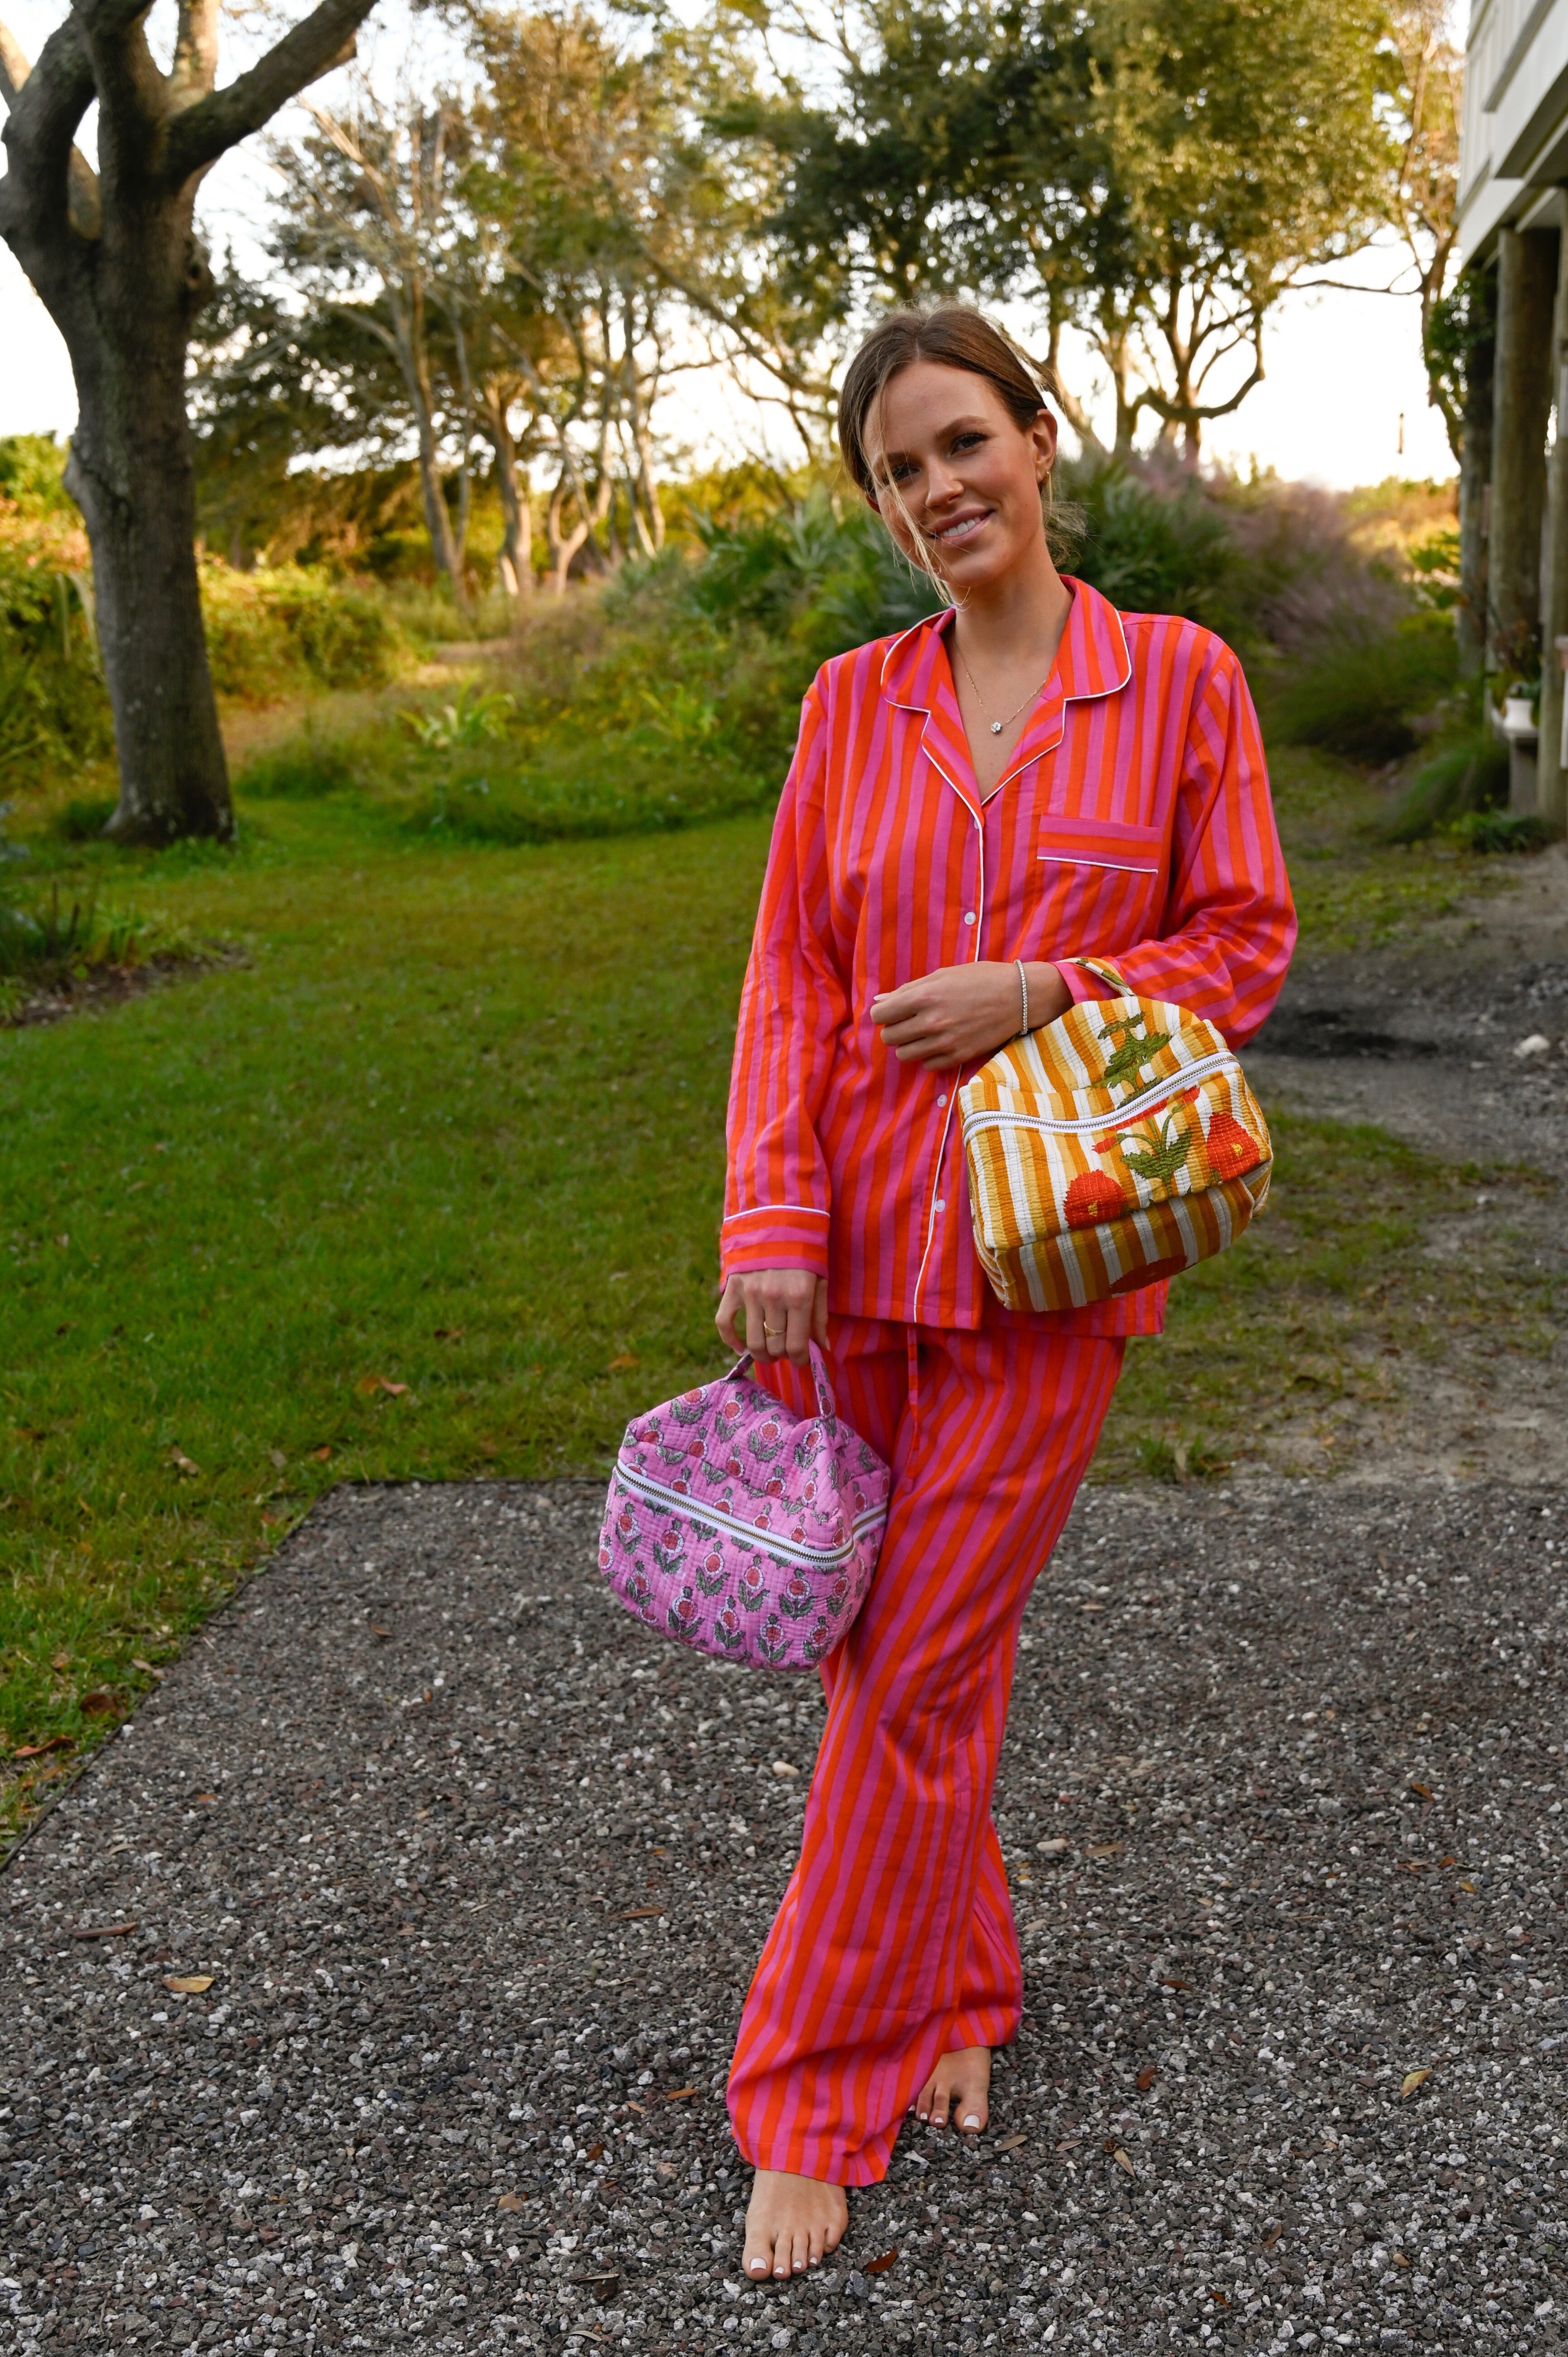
(774, 1313)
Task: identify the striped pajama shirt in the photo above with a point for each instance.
(1133, 821)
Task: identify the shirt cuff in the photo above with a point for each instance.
(1083, 983)
(775, 1235)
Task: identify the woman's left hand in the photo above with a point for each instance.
(963, 1013)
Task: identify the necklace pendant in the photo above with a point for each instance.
(997, 728)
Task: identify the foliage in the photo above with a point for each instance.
(1457, 344)
(54, 710)
(276, 633)
(1359, 695)
(1155, 171)
(1425, 87)
(1458, 787)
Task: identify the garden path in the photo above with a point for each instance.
(463, 1874)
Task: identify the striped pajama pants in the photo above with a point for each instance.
(895, 1942)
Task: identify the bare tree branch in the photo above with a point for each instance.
(199, 136)
(47, 119)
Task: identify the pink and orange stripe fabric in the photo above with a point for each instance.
(895, 1941)
(1133, 821)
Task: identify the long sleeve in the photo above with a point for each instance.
(1228, 926)
(793, 1006)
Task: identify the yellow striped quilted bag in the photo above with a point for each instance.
(1118, 1145)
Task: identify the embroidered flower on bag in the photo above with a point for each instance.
(684, 1618)
(817, 1642)
(710, 1570)
(753, 1593)
(773, 1638)
(728, 1627)
(796, 1598)
(639, 1594)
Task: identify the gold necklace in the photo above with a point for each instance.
(996, 726)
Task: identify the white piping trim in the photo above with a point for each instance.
(1081, 860)
(809, 1211)
(978, 927)
(1132, 1109)
(673, 1502)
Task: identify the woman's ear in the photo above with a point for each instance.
(1043, 435)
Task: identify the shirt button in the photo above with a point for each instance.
(969, 916)
(941, 1206)
(941, 1100)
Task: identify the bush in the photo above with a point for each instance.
(274, 634)
(303, 769)
(1502, 830)
(1358, 697)
(1464, 777)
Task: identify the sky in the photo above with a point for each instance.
(1344, 377)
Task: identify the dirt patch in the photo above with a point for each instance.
(1455, 1041)
(111, 986)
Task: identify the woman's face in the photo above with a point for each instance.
(942, 440)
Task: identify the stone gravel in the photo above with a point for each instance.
(472, 1872)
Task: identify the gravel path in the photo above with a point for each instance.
(469, 1873)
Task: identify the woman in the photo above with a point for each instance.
(1027, 777)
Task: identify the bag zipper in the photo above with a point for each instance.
(671, 1501)
(1134, 1108)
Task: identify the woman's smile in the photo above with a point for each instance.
(961, 528)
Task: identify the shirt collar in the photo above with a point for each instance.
(1092, 660)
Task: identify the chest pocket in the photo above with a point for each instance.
(1101, 843)
(1101, 885)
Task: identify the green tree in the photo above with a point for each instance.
(114, 254)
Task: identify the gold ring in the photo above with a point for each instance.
(771, 1331)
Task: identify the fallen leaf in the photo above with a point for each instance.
(1054, 1847)
(880, 2266)
(1272, 2238)
(277, 1457)
(450, 1333)
(376, 1632)
(1220, 2297)
(1399, 2258)
(60, 1661)
(627, 1359)
(1122, 2161)
(185, 1464)
(596, 2152)
(1425, 1789)
(62, 1241)
(1411, 2080)
(630, 1914)
(1146, 2078)
(97, 1703)
(37, 1750)
(783, 1768)
(1469, 1887)
(188, 1983)
(1105, 1849)
(369, 1384)
(1175, 1984)
(640, 2109)
(321, 1454)
(207, 1796)
(679, 2095)
(1447, 1861)
(1009, 2143)
(510, 2202)
(103, 1931)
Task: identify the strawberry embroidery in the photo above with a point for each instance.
(1094, 1196)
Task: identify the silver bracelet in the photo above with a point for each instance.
(1024, 986)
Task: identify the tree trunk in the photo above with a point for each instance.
(517, 545)
(1527, 294)
(131, 472)
(1475, 484)
(1552, 771)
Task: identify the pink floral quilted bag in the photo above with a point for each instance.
(741, 1528)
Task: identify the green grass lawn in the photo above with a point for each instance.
(428, 1186)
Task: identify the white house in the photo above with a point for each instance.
(1514, 175)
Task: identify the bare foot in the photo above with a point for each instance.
(792, 2223)
(958, 2086)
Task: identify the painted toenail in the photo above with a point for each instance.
(972, 2121)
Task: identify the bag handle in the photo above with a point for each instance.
(826, 1404)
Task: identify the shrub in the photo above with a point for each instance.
(1461, 782)
(272, 634)
(304, 768)
(1502, 830)
(1359, 696)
